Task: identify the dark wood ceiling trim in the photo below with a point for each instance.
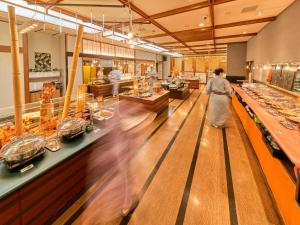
(70, 13)
(171, 42)
(246, 22)
(236, 35)
(188, 8)
(154, 22)
(220, 26)
(220, 37)
(212, 19)
(205, 53)
(184, 9)
(52, 2)
(205, 50)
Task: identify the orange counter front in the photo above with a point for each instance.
(280, 177)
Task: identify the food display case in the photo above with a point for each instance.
(53, 180)
(271, 120)
(296, 85)
(178, 88)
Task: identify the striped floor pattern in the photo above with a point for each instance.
(188, 172)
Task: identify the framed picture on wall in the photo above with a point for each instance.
(42, 61)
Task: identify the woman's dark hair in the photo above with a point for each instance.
(219, 71)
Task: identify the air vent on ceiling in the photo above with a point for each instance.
(249, 9)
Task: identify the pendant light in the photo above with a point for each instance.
(130, 34)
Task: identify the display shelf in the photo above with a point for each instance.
(279, 171)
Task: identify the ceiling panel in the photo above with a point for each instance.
(158, 6)
(230, 40)
(190, 36)
(185, 21)
(144, 29)
(248, 9)
(164, 39)
(200, 43)
(253, 28)
(110, 14)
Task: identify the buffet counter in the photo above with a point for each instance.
(57, 179)
(106, 89)
(281, 170)
(193, 83)
(179, 93)
(156, 103)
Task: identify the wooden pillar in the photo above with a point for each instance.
(16, 72)
(73, 70)
(26, 67)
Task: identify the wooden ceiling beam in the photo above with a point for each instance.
(203, 50)
(220, 26)
(154, 22)
(220, 37)
(70, 13)
(52, 2)
(212, 18)
(246, 22)
(188, 8)
(184, 9)
(236, 36)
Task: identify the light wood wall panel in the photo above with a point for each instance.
(188, 64)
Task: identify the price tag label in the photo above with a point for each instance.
(26, 168)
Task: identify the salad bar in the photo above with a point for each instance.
(271, 120)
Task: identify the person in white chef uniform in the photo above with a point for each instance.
(153, 75)
(115, 77)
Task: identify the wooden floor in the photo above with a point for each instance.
(188, 172)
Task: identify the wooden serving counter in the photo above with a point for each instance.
(279, 171)
(156, 103)
(58, 179)
(179, 93)
(193, 83)
(105, 90)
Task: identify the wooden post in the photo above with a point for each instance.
(72, 73)
(16, 72)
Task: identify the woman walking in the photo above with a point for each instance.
(219, 90)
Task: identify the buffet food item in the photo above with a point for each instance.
(294, 119)
(71, 127)
(22, 149)
(103, 114)
(7, 132)
(145, 95)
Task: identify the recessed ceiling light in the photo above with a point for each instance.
(260, 13)
(201, 24)
(244, 32)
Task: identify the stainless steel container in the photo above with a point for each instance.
(22, 149)
(71, 127)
